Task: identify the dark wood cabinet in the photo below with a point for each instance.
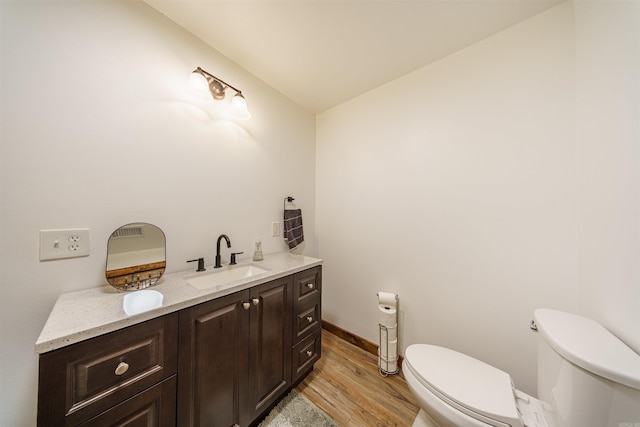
(235, 358)
(307, 322)
(221, 363)
(81, 381)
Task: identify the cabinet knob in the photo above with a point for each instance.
(246, 305)
(310, 285)
(309, 319)
(255, 301)
(122, 368)
(309, 353)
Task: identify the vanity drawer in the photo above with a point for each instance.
(307, 285)
(154, 407)
(307, 320)
(305, 354)
(85, 379)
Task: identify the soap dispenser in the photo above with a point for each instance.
(257, 254)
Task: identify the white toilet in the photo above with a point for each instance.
(586, 378)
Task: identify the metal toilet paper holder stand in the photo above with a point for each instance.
(385, 360)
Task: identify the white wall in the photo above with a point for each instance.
(98, 131)
(608, 164)
(465, 187)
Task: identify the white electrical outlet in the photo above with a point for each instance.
(275, 229)
(68, 243)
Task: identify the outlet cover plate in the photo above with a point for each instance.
(275, 229)
(64, 243)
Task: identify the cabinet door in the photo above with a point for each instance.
(269, 345)
(212, 371)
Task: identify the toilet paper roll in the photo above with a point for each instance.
(388, 334)
(389, 350)
(390, 366)
(387, 299)
(387, 306)
(387, 316)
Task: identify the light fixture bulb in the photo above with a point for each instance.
(198, 81)
(239, 107)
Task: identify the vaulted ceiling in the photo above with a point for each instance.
(320, 53)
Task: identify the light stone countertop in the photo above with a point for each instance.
(77, 316)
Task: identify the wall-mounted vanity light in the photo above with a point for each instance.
(201, 79)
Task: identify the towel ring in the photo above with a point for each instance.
(287, 199)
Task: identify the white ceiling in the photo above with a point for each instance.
(320, 53)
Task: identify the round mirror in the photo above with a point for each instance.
(136, 256)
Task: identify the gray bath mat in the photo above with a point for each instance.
(295, 410)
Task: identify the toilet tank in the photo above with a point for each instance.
(587, 377)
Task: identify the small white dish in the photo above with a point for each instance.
(141, 301)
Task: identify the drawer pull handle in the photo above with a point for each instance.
(246, 305)
(310, 285)
(309, 353)
(122, 368)
(309, 319)
(255, 301)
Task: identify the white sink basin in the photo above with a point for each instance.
(221, 278)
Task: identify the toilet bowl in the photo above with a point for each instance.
(587, 377)
(454, 389)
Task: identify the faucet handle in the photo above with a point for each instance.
(233, 258)
(200, 263)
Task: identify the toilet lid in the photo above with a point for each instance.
(473, 387)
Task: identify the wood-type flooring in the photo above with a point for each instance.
(347, 385)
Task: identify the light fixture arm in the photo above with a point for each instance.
(211, 76)
(217, 89)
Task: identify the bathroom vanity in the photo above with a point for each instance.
(208, 356)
